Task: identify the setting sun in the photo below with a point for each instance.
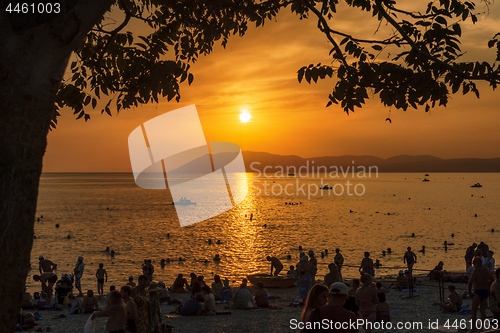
(245, 116)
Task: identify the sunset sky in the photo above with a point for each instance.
(258, 74)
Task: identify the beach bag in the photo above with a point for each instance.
(89, 326)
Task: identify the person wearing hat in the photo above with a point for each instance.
(276, 264)
(45, 265)
(78, 271)
(334, 312)
(154, 301)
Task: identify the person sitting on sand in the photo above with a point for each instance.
(481, 280)
(437, 272)
(194, 279)
(333, 276)
(201, 280)
(226, 292)
(333, 312)
(276, 265)
(292, 273)
(89, 303)
(243, 299)
(163, 293)
(208, 299)
(350, 303)
(317, 297)
(366, 299)
(43, 301)
(116, 313)
(455, 299)
(381, 289)
(131, 282)
(126, 291)
(179, 283)
(217, 287)
(383, 309)
(261, 298)
(193, 306)
(401, 281)
(195, 288)
(367, 265)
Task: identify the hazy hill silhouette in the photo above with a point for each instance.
(401, 163)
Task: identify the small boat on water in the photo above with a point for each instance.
(426, 175)
(477, 185)
(184, 202)
(425, 180)
(270, 281)
(326, 187)
(291, 174)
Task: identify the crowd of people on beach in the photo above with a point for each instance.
(136, 307)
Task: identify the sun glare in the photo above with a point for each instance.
(245, 116)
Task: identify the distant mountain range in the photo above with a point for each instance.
(402, 163)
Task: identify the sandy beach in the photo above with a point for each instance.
(406, 310)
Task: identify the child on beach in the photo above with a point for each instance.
(383, 309)
(226, 292)
(261, 296)
(100, 274)
(292, 273)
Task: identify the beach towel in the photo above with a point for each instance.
(89, 326)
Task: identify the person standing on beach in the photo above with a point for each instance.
(125, 291)
(469, 255)
(489, 262)
(314, 262)
(367, 265)
(100, 274)
(339, 259)
(333, 276)
(333, 311)
(304, 270)
(149, 270)
(78, 271)
(366, 299)
(276, 264)
(409, 258)
(481, 280)
(117, 314)
(45, 265)
(495, 296)
(141, 299)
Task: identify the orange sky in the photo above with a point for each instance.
(258, 72)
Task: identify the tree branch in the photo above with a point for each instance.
(490, 77)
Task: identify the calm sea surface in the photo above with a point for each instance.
(100, 210)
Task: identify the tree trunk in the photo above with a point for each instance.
(32, 64)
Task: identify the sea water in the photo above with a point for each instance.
(99, 210)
